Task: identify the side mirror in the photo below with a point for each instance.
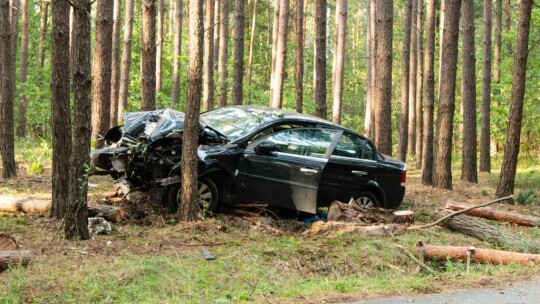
(265, 147)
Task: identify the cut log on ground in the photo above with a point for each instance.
(479, 255)
(478, 229)
(15, 205)
(497, 215)
(322, 228)
(8, 258)
(352, 213)
(403, 217)
(7, 243)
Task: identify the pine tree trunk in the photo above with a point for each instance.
(508, 15)
(319, 89)
(413, 63)
(515, 118)
(281, 50)
(498, 42)
(405, 68)
(208, 62)
(159, 43)
(223, 43)
(148, 55)
(177, 48)
(44, 11)
(383, 77)
(485, 158)
(14, 25)
(252, 41)
(468, 169)
(126, 59)
(429, 94)
(238, 86)
(76, 222)
(447, 95)
(21, 131)
(101, 84)
(217, 27)
(61, 122)
(115, 63)
(188, 211)
(419, 80)
(369, 68)
(300, 45)
(275, 30)
(341, 33)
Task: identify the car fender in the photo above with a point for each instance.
(374, 187)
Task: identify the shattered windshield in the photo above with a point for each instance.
(235, 122)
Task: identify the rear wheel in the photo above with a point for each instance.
(366, 199)
(208, 196)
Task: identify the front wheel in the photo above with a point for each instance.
(208, 196)
(366, 200)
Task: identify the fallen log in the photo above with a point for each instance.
(479, 255)
(7, 243)
(8, 258)
(326, 228)
(483, 231)
(15, 205)
(497, 215)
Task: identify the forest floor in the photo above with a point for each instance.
(153, 259)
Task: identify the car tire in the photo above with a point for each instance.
(208, 196)
(366, 199)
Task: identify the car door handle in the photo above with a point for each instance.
(309, 171)
(360, 173)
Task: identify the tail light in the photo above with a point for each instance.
(403, 177)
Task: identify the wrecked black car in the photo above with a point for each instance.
(253, 154)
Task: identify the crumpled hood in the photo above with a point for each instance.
(154, 125)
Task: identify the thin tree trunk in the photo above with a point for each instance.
(405, 68)
(369, 67)
(148, 55)
(515, 118)
(468, 169)
(159, 43)
(177, 48)
(413, 63)
(126, 59)
(188, 211)
(76, 222)
(21, 131)
(419, 79)
(252, 41)
(61, 122)
(43, 31)
(383, 77)
(14, 25)
(300, 45)
(445, 118)
(341, 33)
(485, 158)
(208, 62)
(217, 27)
(498, 42)
(508, 15)
(223, 43)
(238, 78)
(281, 50)
(115, 64)
(319, 89)
(429, 93)
(101, 84)
(275, 30)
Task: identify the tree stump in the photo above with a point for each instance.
(403, 217)
(7, 243)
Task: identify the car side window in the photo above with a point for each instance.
(274, 129)
(350, 145)
(306, 142)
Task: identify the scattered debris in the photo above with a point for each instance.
(414, 259)
(208, 255)
(497, 215)
(10, 253)
(98, 225)
(331, 228)
(111, 213)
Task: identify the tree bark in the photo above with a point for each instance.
(413, 63)
(14, 26)
(148, 55)
(115, 63)
(76, 222)
(383, 77)
(217, 29)
(223, 43)
(329, 228)
(281, 50)
(252, 41)
(319, 78)
(126, 59)
(480, 255)
(61, 122)
(485, 158)
(208, 62)
(445, 118)
(405, 68)
(480, 230)
(7, 243)
(189, 208)
(21, 131)
(159, 43)
(515, 118)
(275, 31)
(370, 47)
(101, 84)
(8, 258)
(468, 168)
(44, 11)
(341, 34)
(177, 48)
(419, 80)
(498, 42)
(300, 45)
(238, 78)
(497, 215)
(429, 94)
